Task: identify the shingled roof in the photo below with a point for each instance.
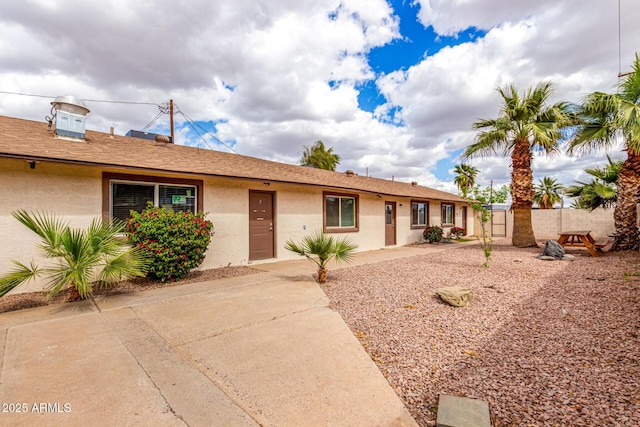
(31, 140)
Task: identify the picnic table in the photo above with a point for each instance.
(582, 238)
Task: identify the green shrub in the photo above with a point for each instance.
(175, 242)
(432, 234)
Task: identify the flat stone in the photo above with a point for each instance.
(568, 257)
(455, 295)
(454, 411)
(547, 258)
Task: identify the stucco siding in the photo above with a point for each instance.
(75, 193)
(72, 192)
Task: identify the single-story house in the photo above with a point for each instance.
(255, 205)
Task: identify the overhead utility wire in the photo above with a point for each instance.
(82, 99)
(193, 123)
(152, 121)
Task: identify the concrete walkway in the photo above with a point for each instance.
(262, 349)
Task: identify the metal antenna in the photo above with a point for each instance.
(620, 73)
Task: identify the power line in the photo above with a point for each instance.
(193, 124)
(161, 107)
(81, 99)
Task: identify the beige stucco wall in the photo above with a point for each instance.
(74, 192)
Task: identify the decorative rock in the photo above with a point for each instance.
(553, 249)
(568, 257)
(546, 258)
(455, 295)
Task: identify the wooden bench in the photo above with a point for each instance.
(601, 243)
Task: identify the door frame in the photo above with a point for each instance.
(394, 223)
(464, 219)
(272, 195)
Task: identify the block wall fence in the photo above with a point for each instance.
(548, 223)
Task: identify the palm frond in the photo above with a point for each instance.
(126, 265)
(48, 227)
(17, 276)
(324, 247)
(77, 254)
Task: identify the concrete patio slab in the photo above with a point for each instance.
(72, 372)
(195, 317)
(193, 397)
(262, 349)
(306, 369)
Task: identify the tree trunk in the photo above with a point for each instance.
(322, 275)
(523, 236)
(625, 213)
(522, 195)
(74, 295)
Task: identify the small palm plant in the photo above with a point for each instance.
(324, 247)
(81, 256)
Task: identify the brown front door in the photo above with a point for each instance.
(261, 226)
(464, 219)
(390, 223)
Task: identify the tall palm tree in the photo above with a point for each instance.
(465, 178)
(526, 125)
(81, 256)
(606, 120)
(601, 191)
(319, 157)
(547, 193)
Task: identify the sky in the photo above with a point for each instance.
(393, 86)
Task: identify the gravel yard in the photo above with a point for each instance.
(544, 342)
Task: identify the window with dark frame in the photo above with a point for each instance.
(340, 212)
(447, 214)
(132, 192)
(419, 214)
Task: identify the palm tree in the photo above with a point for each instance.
(465, 178)
(526, 124)
(324, 247)
(606, 120)
(547, 193)
(601, 191)
(319, 157)
(80, 256)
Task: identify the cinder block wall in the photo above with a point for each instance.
(548, 223)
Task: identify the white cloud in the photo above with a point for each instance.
(281, 74)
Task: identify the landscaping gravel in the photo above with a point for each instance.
(544, 342)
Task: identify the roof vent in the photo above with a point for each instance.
(70, 116)
(414, 183)
(349, 172)
(149, 135)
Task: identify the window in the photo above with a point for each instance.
(340, 212)
(419, 214)
(447, 214)
(124, 193)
